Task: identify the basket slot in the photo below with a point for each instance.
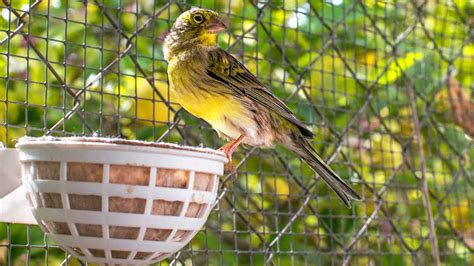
(142, 255)
(172, 178)
(196, 210)
(124, 191)
(84, 172)
(153, 234)
(49, 200)
(56, 228)
(126, 205)
(100, 253)
(85, 202)
(92, 230)
(182, 235)
(124, 232)
(47, 170)
(118, 244)
(120, 254)
(120, 174)
(120, 219)
(203, 182)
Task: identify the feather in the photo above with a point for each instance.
(226, 69)
(303, 148)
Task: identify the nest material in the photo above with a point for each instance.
(119, 141)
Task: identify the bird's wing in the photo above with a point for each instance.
(226, 69)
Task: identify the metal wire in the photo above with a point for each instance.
(374, 79)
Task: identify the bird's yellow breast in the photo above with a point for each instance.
(222, 111)
(212, 108)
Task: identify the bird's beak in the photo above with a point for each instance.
(216, 25)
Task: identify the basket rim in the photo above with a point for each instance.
(115, 144)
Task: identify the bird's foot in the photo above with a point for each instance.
(229, 166)
(228, 149)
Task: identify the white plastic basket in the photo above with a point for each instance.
(122, 202)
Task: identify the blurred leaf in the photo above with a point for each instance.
(395, 69)
(386, 152)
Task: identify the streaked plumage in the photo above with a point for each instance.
(214, 86)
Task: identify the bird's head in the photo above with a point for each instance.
(196, 26)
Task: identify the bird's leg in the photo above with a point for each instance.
(228, 149)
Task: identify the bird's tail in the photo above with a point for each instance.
(303, 148)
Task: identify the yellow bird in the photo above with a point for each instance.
(213, 85)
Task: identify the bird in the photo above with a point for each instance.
(214, 86)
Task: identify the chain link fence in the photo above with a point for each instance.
(386, 86)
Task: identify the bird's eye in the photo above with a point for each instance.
(198, 18)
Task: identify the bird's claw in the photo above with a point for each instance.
(230, 169)
(228, 149)
(229, 166)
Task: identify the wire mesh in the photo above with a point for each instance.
(386, 86)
